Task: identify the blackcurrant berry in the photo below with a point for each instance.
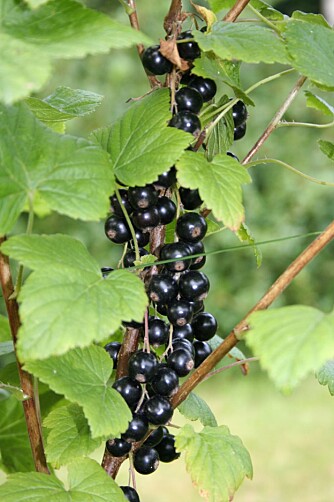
(137, 428)
(188, 50)
(105, 271)
(239, 113)
(202, 351)
(205, 86)
(158, 331)
(191, 227)
(198, 306)
(186, 121)
(176, 251)
(142, 197)
(188, 98)
(194, 285)
(129, 389)
(130, 494)
(185, 331)
(156, 436)
(130, 257)
(158, 410)
(183, 343)
(146, 460)
(142, 366)
(162, 289)
(146, 219)
(190, 198)
(166, 449)
(181, 361)
(165, 381)
(155, 62)
(239, 132)
(118, 447)
(186, 77)
(166, 179)
(116, 229)
(180, 312)
(143, 238)
(230, 154)
(204, 326)
(115, 206)
(113, 349)
(166, 209)
(197, 248)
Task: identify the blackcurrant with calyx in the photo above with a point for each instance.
(184, 331)
(113, 349)
(194, 285)
(239, 132)
(116, 229)
(158, 410)
(190, 198)
(130, 494)
(239, 113)
(181, 361)
(166, 179)
(166, 449)
(130, 390)
(155, 62)
(166, 209)
(146, 460)
(205, 86)
(142, 197)
(142, 366)
(146, 219)
(186, 121)
(115, 205)
(176, 251)
(165, 381)
(188, 98)
(204, 326)
(191, 227)
(188, 50)
(158, 331)
(130, 257)
(137, 428)
(180, 312)
(202, 351)
(162, 289)
(118, 447)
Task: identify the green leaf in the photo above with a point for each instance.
(6, 348)
(313, 101)
(195, 408)
(140, 143)
(69, 435)
(71, 175)
(291, 342)
(219, 183)
(310, 47)
(87, 482)
(216, 461)
(64, 104)
(66, 303)
(82, 375)
(5, 335)
(35, 3)
(244, 41)
(213, 227)
(218, 5)
(267, 10)
(15, 391)
(310, 18)
(245, 235)
(221, 136)
(325, 376)
(234, 353)
(14, 442)
(327, 148)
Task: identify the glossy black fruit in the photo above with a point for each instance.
(142, 197)
(162, 289)
(137, 429)
(181, 361)
(118, 447)
(142, 366)
(156, 436)
(158, 410)
(166, 209)
(165, 381)
(194, 285)
(155, 62)
(190, 198)
(158, 331)
(204, 326)
(115, 205)
(130, 494)
(191, 227)
(113, 349)
(116, 229)
(239, 132)
(239, 113)
(230, 154)
(183, 343)
(143, 238)
(188, 98)
(166, 449)
(185, 331)
(166, 179)
(146, 460)
(186, 121)
(202, 351)
(176, 251)
(180, 312)
(188, 50)
(105, 271)
(205, 86)
(129, 389)
(146, 219)
(130, 257)
(199, 262)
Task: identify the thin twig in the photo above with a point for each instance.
(26, 380)
(229, 366)
(236, 10)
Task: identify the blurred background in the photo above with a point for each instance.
(288, 437)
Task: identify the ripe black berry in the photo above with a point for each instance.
(176, 251)
(156, 436)
(205, 86)
(116, 229)
(183, 343)
(239, 132)
(202, 351)
(130, 257)
(115, 206)
(142, 197)
(194, 285)
(166, 449)
(155, 62)
(190, 198)
(130, 494)
(197, 248)
(118, 447)
(181, 361)
(162, 289)
(185, 331)
(146, 219)
(186, 121)
(105, 271)
(146, 460)
(188, 98)
(165, 381)
(204, 326)
(137, 429)
(142, 366)
(129, 389)
(113, 349)
(188, 50)
(239, 113)
(166, 179)
(230, 154)
(180, 312)
(166, 209)
(157, 331)
(158, 410)
(191, 227)
(143, 238)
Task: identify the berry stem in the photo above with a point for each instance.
(229, 366)
(129, 222)
(236, 10)
(173, 17)
(146, 337)
(283, 123)
(242, 327)
(264, 19)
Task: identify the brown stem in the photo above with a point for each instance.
(236, 10)
(275, 121)
(174, 16)
(26, 380)
(274, 291)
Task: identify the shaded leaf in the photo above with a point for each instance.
(313, 101)
(15, 391)
(310, 18)
(267, 10)
(4, 329)
(218, 5)
(325, 376)
(195, 408)
(6, 348)
(221, 136)
(327, 148)
(245, 235)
